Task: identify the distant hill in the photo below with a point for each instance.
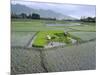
(18, 9)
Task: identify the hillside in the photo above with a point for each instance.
(18, 9)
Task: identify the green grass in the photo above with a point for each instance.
(41, 39)
(40, 25)
(36, 25)
(56, 36)
(27, 25)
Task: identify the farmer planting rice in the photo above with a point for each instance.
(48, 37)
(65, 33)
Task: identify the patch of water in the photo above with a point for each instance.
(54, 44)
(73, 41)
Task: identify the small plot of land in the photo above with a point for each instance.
(21, 38)
(41, 39)
(55, 38)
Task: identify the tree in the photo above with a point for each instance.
(35, 16)
(94, 19)
(88, 19)
(14, 15)
(29, 16)
(23, 15)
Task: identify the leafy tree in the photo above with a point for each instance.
(29, 16)
(14, 15)
(35, 16)
(23, 15)
(88, 19)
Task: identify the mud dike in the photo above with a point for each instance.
(54, 44)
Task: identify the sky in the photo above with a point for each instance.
(74, 10)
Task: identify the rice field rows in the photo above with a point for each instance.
(88, 28)
(81, 57)
(67, 58)
(21, 39)
(85, 36)
(25, 61)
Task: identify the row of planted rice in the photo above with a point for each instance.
(81, 57)
(21, 38)
(37, 25)
(91, 28)
(85, 36)
(25, 61)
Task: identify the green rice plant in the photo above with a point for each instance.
(56, 36)
(41, 39)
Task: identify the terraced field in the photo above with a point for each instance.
(26, 59)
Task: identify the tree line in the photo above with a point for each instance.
(30, 16)
(25, 16)
(88, 19)
(37, 16)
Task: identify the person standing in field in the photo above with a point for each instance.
(49, 38)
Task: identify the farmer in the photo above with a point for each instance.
(48, 37)
(65, 33)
